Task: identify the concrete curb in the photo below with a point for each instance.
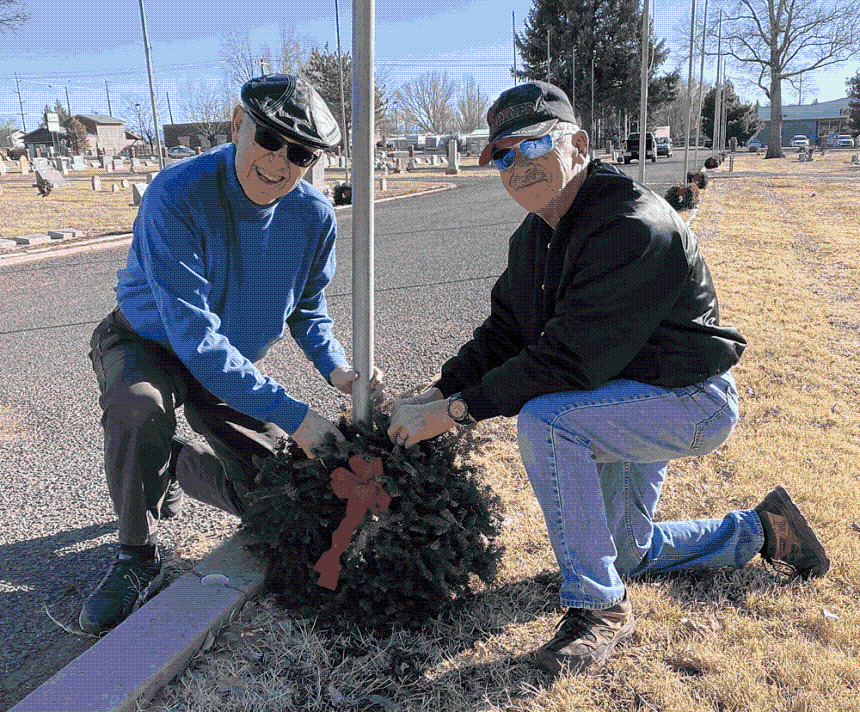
(133, 662)
(123, 240)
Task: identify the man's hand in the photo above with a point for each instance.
(428, 396)
(411, 424)
(313, 431)
(343, 376)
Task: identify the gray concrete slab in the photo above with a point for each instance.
(36, 238)
(65, 233)
(152, 646)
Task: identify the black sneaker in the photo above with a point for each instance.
(585, 637)
(130, 581)
(788, 538)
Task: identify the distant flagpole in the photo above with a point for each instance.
(362, 205)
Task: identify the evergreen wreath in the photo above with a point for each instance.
(683, 197)
(699, 179)
(403, 565)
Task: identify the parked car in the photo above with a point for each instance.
(631, 150)
(754, 142)
(181, 152)
(664, 146)
(845, 140)
(800, 141)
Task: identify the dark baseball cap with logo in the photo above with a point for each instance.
(291, 108)
(524, 111)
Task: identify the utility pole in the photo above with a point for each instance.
(151, 88)
(342, 101)
(169, 109)
(689, 93)
(68, 105)
(107, 92)
(20, 103)
(643, 89)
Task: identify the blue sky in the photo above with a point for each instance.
(102, 41)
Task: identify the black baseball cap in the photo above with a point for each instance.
(526, 110)
(291, 108)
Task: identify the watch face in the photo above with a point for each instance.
(457, 408)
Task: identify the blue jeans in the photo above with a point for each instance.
(597, 460)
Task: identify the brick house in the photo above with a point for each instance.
(104, 132)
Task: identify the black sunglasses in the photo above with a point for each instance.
(296, 154)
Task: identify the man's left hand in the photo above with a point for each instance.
(343, 376)
(411, 424)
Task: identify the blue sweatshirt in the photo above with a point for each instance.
(214, 277)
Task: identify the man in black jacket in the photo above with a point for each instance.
(604, 339)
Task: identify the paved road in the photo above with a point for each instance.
(436, 260)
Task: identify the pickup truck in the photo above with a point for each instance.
(631, 150)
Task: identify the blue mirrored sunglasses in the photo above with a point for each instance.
(504, 158)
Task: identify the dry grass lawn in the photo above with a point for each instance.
(784, 252)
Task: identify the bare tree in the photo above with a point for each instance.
(425, 102)
(674, 114)
(776, 40)
(243, 60)
(137, 114)
(207, 105)
(8, 124)
(239, 56)
(472, 105)
(12, 15)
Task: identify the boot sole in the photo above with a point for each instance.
(553, 663)
(805, 532)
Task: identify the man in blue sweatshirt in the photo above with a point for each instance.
(230, 248)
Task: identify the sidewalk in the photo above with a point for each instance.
(153, 645)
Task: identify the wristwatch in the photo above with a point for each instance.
(458, 410)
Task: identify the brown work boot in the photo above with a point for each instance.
(788, 538)
(584, 637)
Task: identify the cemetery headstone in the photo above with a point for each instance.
(124, 182)
(96, 183)
(65, 233)
(46, 173)
(114, 188)
(24, 165)
(78, 163)
(137, 191)
(3, 168)
(34, 239)
(383, 183)
(318, 175)
(453, 158)
(150, 176)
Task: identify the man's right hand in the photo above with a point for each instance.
(428, 396)
(313, 431)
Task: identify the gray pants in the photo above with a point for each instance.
(142, 384)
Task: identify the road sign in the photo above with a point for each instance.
(53, 121)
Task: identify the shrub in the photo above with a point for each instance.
(697, 178)
(683, 197)
(342, 194)
(402, 565)
(712, 161)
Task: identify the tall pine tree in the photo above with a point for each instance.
(609, 31)
(852, 84)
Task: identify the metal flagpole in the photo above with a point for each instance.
(643, 88)
(362, 205)
(151, 88)
(701, 84)
(689, 93)
(514, 31)
(342, 102)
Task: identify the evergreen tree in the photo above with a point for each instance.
(852, 84)
(609, 31)
(742, 120)
(321, 71)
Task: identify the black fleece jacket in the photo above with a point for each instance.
(618, 290)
